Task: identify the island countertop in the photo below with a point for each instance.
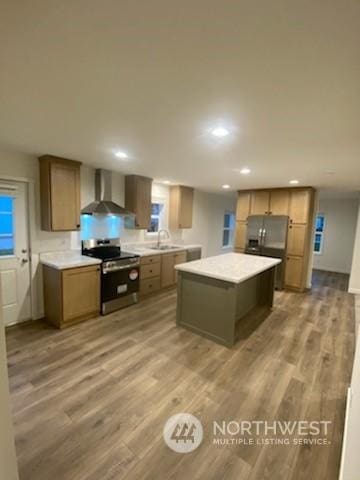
(229, 267)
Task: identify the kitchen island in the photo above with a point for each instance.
(216, 294)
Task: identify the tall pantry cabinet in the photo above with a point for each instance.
(298, 204)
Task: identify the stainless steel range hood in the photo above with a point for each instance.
(103, 204)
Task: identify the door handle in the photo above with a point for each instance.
(24, 260)
(263, 236)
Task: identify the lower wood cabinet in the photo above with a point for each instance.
(294, 272)
(149, 285)
(167, 270)
(158, 271)
(180, 257)
(71, 295)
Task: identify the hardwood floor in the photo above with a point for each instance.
(90, 402)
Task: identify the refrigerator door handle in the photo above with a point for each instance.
(260, 235)
(263, 236)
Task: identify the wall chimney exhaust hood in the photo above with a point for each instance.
(103, 204)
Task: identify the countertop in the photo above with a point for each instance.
(230, 267)
(67, 259)
(144, 250)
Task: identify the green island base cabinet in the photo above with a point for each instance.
(224, 298)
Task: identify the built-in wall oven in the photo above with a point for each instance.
(120, 273)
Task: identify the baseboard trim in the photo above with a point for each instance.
(328, 269)
(355, 291)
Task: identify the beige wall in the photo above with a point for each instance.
(8, 464)
(339, 234)
(354, 285)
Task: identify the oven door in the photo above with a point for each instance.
(119, 289)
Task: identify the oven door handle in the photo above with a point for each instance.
(117, 269)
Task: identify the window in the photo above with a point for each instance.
(6, 225)
(228, 231)
(319, 234)
(157, 210)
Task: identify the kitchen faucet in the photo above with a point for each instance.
(159, 235)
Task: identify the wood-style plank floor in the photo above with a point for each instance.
(90, 402)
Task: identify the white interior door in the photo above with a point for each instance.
(14, 252)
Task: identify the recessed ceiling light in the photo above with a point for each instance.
(121, 154)
(220, 132)
(167, 182)
(245, 171)
(294, 182)
(226, 186)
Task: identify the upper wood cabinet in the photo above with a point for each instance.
(260, 202)
(279, 202)
(300, 201)
(269, 202)
(243, 206)
(59, 193)
(181, 206)
(138, 200)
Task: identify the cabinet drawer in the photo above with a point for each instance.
(149, 259)
(148, 271)
(149, 285)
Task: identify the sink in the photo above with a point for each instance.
(165, 247)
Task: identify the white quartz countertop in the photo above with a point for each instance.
(230, 267)
(144, 250)
(67, 259)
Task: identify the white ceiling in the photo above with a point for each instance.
(85, 78)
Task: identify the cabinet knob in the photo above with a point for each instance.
(78, 225)
(290, 226)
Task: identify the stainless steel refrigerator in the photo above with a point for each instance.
(267, 236)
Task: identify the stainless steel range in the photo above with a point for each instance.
(119, 273)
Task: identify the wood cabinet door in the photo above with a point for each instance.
(243, 206)
(240, 235)
(186, 207)
(167, 270)
(143, 203)
(293, 272)
(279, 202)
(296, 240)
(299, 206)
(81, 292)
(260, 201)
(179, 258)
(65, 196)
